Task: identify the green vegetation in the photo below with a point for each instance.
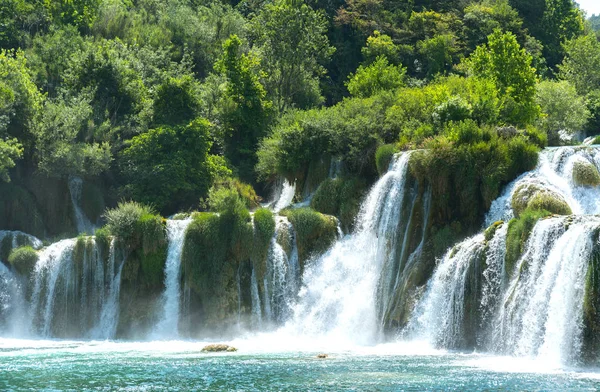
(534, 196)
(383, 158)
(315, 232)
(341, 198)
(519, 230)
(23, 259)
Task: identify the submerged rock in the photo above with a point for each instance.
(322, 356)
(217, 348)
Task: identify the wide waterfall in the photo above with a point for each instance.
(338, 296)
(167, 327)
(534, 308)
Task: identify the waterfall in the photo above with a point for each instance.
(76, 290)
(13, 313)
(11, 239)
(256, 306)
(542, 308)
(534, 309)
(81, 220)
(171, 298)
(285, 196)
(338, 297)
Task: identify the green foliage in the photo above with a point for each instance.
(340, 197)
(503, 61)
(23, 259)
(518, 234)
(383, 157)
(177, 101)
(581, 65)
(380, 45)
(125, 221)
(315, 232)
(247, 111)
(10, 150)
(376, 77)
(290, 38)
(230, 194)
(169, 166)
(562, 108)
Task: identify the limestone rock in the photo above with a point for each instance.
(218, 348)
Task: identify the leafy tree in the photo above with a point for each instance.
(562, 108)
(509, 66)
(482, 18)
(170, 166)
(290, 39)
(562, 20)
(20, 100)
(380, 45)
(10, 150)
(177, 101)
(246, 110)
(65, 144)
(378, 76)
(581, 65)
(18, 19)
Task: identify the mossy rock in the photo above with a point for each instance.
(340, 197)
(585, 174)
(23, 259)
(535, 197)
(315, 232)
(519, 230)
(491, 231)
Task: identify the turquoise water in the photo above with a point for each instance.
(154, 366)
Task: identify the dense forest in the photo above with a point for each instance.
(203, 104)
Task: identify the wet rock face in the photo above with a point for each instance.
(217, 348)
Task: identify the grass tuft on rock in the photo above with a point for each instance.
(23, 259)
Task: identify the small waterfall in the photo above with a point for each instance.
(542, 307)
(171, 298)
(554, 173)
(338, 297)
(81, 220)
(76, 290)
(256, 306)
(440, 315)
(285, 196)
(13, 313)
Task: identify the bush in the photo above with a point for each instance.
(23, 259)
(315, 232)
(226, 187)
(340, 197)
(383, 157)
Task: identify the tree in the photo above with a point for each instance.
(10, 150)
(246, 112)
(380, 45)
(562, 108)
(170, 167)
(177, 101)
(291, 41)
(562, 20)
(376, 77)
(503, 61)
(581, 65)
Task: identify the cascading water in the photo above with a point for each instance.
(76, 290)
(11, 239)
(338, 297)
(84, 225)
(536, 307)
(284, 195)
(167, 327)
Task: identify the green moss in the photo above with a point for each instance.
(536, 197)
(383, 157)
(490, 231)
(519, 230)
(340, 197)
(23, 259)
(264, 229)
(585, 174)
(103, 236)
(315, 232)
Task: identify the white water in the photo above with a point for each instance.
(18, 238)
(554, 172)
(338, 296)
(84, 225)
(283, 196)
(167, 327)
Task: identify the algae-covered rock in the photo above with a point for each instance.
(585, 173)
(490, 231)
(315, 232)
(536, 197)
(23, 259)
(218, 348)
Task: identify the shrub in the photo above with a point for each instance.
(315, 232)
(340, 197)
(383, 157)
(23, 259)
(124, 220)
(227, 186)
